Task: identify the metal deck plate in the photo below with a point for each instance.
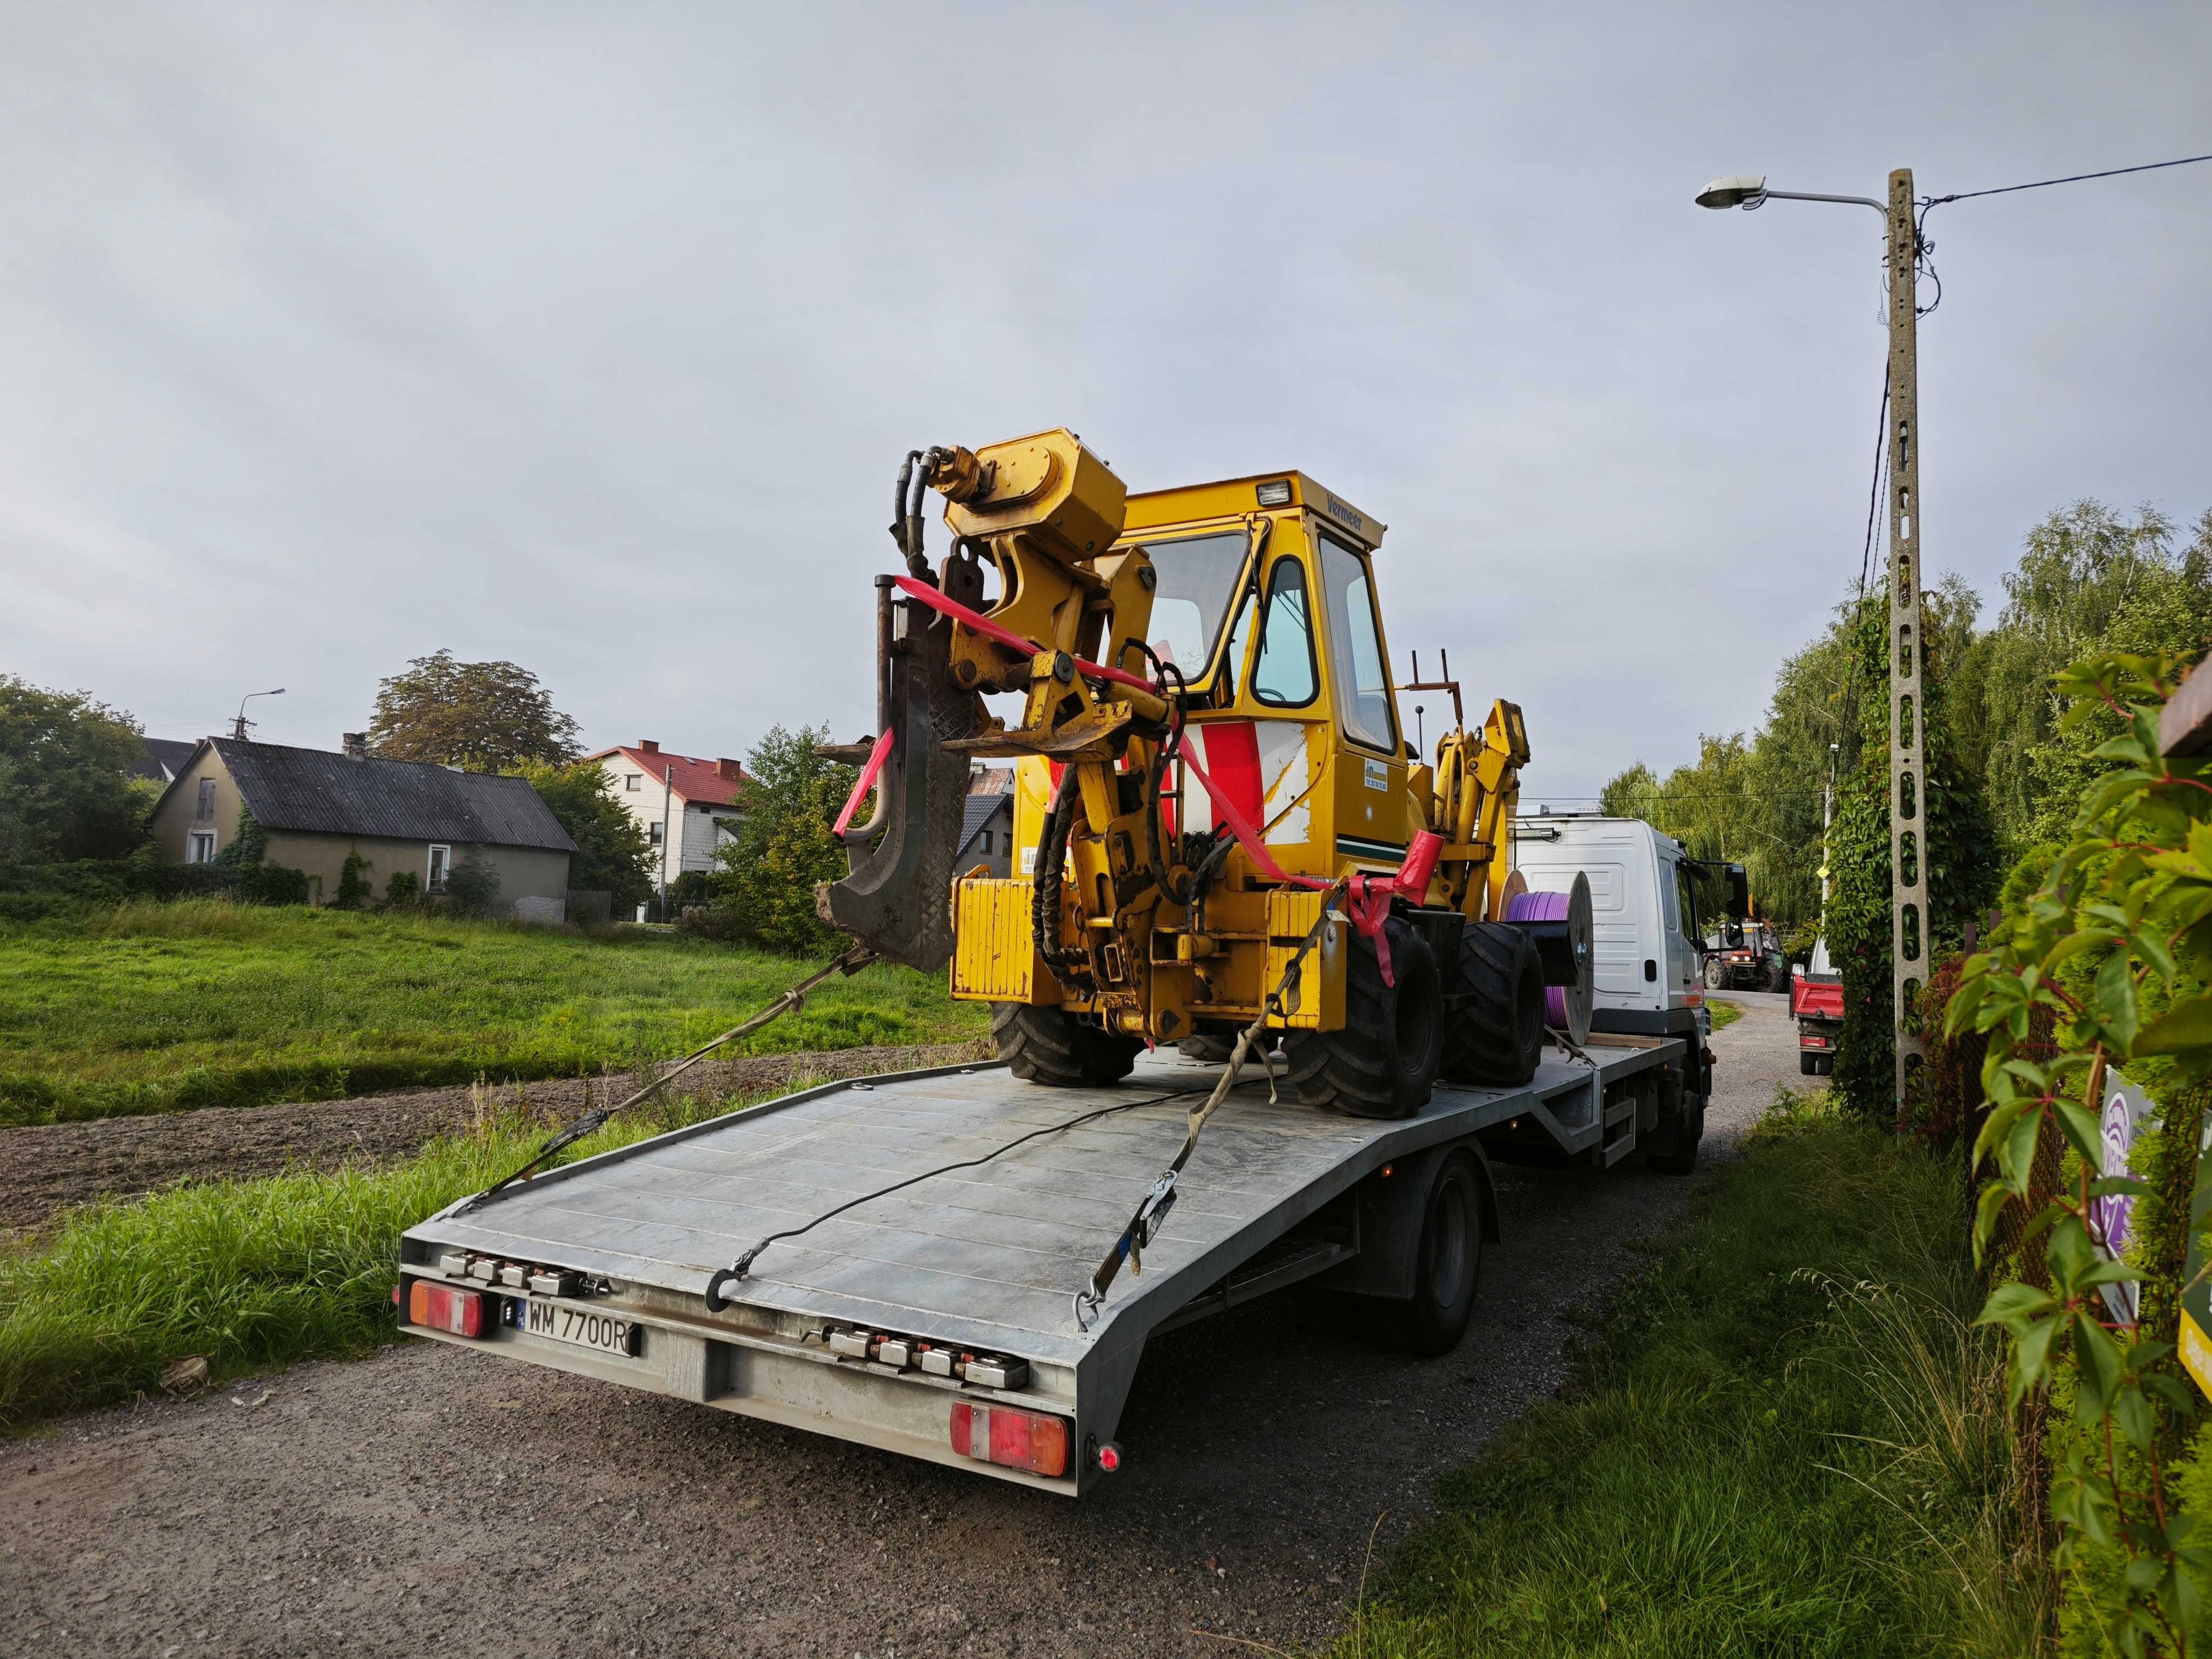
(990, 1256)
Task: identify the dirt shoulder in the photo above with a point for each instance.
(397, 1500)
(54, 1166)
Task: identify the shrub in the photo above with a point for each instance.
(472, 888)
(354, 890)
(784, 849)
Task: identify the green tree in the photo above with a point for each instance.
(63, 795)
(2089, 579)
(613, 854)
(484, 716)
(784, 847)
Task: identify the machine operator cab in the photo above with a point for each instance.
(1265, 606)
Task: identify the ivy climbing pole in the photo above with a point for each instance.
(1908, 870)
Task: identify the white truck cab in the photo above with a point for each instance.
(1645, 927)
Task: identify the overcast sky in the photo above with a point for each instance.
(591, 337)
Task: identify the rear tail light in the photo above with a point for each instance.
(441, 1308)
(1012, 1439)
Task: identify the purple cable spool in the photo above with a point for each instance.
(1566, 1008)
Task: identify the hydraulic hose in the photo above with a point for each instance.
(1051, 867)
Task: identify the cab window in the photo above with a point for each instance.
(1197, 579)
(1363, 695)
(1283, 674)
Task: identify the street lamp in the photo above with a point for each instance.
(238, 727)
(1909, 936)
(1748, 190)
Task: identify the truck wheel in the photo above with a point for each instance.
(1047, 1045)
(1495, 1033)
(1447, 1265)
(1808, 1064)
(1213, 1050)
(1384, 1062)
(1825, 1065)
(1673, 1150)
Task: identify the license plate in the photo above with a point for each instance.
(584, 1328)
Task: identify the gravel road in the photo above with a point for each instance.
(425, 1501)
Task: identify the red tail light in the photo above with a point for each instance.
(1014, 1440)
(440, 1307)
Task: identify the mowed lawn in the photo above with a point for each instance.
(156, 1008)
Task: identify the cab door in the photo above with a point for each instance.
(1368, 791)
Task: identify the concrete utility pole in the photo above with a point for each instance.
(1908, 866)
(667, 793)
(1908, 924)
(1827, 824)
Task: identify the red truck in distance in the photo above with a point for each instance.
(1816, 1003)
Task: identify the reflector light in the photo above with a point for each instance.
(440, 1307)
(1011, 1439)
(1110, 1457)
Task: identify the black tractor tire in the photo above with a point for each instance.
(1716, 974)
(1384, 1062)
(1048, 1046)
(1778, 975)
(1496, 1035)
(1448, 1266)
(1672, 1149)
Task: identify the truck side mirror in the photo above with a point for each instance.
(1739, 892)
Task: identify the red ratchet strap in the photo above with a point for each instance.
(867, 782)
(1007, 636)
(1368, 896)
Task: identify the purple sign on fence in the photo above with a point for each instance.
(2126, 1107)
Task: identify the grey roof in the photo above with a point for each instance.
(321, 791)
(164, 758)
(980, 810)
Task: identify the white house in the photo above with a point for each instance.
(698, 800)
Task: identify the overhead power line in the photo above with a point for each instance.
(2070, 179)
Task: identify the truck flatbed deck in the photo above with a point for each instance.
(984, 1261)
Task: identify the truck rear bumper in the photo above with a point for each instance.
(795, 1381)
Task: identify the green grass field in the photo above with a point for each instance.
(156, 1007)
(1786, 1438)
(251, 1274)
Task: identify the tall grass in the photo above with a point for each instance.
(253, 1274)
(1788, 1438)
(157, 1007)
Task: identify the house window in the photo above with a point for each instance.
(207, 800)
(201, 849)
(987, 841)
(441, 863)
(653, 833)
(633, 781)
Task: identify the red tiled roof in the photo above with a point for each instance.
(718, 782)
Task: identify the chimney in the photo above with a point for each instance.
(648, 746)
(728, 770)
(355, 745)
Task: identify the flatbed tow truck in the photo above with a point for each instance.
(939, 1321)
(1244, 899)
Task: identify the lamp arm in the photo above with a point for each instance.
(1802, 196)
